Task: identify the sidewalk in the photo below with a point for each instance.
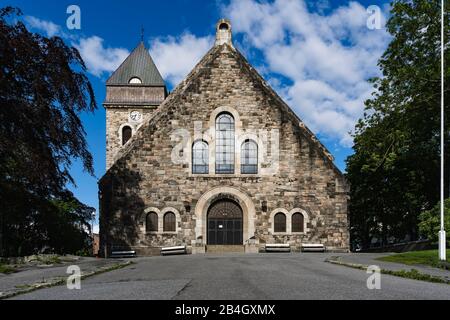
(31, 278)
(363, 260)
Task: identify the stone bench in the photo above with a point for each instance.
(173, 250)
(123, 254)
(278, 247)
(313, 247)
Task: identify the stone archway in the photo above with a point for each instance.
(224, 223)
(220, 193)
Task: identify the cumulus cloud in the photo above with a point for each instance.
(175, 57)
(51, 29)
(98, 58)
(327, 58)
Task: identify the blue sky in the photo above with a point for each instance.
(316, 54)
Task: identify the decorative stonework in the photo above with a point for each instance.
(142, 175)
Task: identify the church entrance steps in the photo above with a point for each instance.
(225, 249)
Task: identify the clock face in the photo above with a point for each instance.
(135, 116)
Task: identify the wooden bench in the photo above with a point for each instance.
(278, 247)
(173, 250)
(123, 254)
(313, 247)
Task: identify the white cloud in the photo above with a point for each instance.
(51, 29)
(96, 228)
(328, 58)
(175, 57)
(98, 58)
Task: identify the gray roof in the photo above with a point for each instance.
(138, 64)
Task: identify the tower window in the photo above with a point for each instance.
(223, 26)
(225, 143)
(126, 134)
(135, 80)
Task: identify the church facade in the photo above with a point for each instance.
(220, 163)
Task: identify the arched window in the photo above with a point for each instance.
(297, 222)
(225, 143)
(200, 163)
(151, 222)
(126, 134)
(135, 80)
(279, 222)
(249, 157)
(169, 222)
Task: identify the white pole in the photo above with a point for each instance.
(442, 239)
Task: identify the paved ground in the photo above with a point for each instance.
(241, 276)
(32, 276)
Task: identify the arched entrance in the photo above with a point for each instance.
(225, 225)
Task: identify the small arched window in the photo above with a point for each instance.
(249, 157)
(297, 222)
(135, 80)
(225, 143)
(200, 163)
(126, 134)
(169, 222)
(151, 222)
(279, 222)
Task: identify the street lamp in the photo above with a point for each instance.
(442, 238)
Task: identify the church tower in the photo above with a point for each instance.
(133, 92)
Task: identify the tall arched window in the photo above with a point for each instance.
(249, 157)
(279, 222)
(200, 163)
(225, 143)
(169, 222)
(151, 222)
(297, 222)
(126, 134)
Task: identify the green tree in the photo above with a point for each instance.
(395, 169)
(430, 221)
(43, 89)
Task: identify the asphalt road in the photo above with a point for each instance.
(241, 276)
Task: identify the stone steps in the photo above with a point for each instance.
(225, 249)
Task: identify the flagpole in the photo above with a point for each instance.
(442, 238)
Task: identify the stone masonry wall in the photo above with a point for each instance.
(145, 176)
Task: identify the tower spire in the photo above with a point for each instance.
(142, 33)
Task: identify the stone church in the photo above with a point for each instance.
(221, 163)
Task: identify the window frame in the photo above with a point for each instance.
(225, 144)
(275, 223)
(151, 213)
(174, 222)
(205, 152)
(296, 224)
(246, 157)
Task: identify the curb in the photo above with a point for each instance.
(61, 280)
(409, 274)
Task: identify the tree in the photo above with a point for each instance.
(395, 169)
(43, 89)
(430, 221)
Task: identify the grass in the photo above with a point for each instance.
(426, 257)
(6, 269)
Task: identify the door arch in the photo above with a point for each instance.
(225, 225)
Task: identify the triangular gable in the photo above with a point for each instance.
(186, 83)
